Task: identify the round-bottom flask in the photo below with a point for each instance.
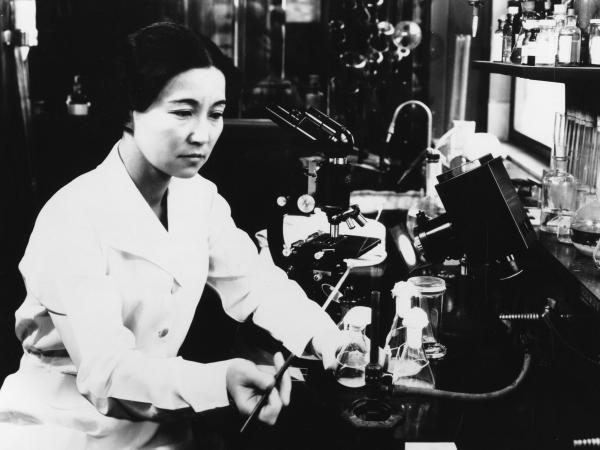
(585, 227)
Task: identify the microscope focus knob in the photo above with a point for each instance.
(362, 221)
(306, 203)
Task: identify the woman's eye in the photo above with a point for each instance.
(216, 115)
(182, 113)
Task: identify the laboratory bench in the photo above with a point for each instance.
(558, 401)
(551, 407)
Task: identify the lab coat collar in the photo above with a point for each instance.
(130, 225)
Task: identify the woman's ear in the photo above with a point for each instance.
(128, 125)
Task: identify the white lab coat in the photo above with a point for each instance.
(110, 298)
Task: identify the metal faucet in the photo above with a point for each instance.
(428, 149)
(392, 127)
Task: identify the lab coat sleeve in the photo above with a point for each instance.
(64, 269)
(251, 286)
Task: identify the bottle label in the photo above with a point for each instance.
(497, 47)
(564, 49)
(595, 50)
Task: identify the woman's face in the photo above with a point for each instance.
(176, 134)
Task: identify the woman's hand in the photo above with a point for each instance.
(246, 384)
(326, 346)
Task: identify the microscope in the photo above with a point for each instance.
(485, 227)
(314, 260)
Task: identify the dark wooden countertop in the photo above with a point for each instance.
(575, 269)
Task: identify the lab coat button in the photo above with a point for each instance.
(162, 333)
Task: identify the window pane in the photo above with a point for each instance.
(535, 105)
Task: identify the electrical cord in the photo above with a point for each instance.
(464, 396)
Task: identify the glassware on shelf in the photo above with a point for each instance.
(530, 47)
(547, 41)
(585, 227)
(569, 42)
(412, 368)
(496, 52)
(559, 188)
(78, 103)
(560, 15)
(314, 96)
(407, 36)
(594, 42)
(507, 39)
(582, 151)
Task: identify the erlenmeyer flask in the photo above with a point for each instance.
(353, 358)
(396, 338)
(412, 368)
(354, 355)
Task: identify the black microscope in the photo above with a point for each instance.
(320, 259)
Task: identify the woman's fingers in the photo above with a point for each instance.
(270, 411)
(285, 385)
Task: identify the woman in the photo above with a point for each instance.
(116, 264)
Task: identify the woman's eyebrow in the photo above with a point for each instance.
(187, 101)
(194, 103)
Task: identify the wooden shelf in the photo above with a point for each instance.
(543, 73)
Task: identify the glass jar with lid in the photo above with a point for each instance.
(547, 41)
(594, 42)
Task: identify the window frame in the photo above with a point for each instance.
(527, 144)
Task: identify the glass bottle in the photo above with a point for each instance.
(497, 37)
(530, 43)
(594, 42)
(525, 45)
(560, 17)
(430, 204)
(515, 13)
(585, 227)
(507, 39)
(354, 356)
(529, 12)
(547, 9)
(559, 192)
(569, 42)
(314, 95)
(540, 8)
(412, 368)
(77, 102)
(546, 43)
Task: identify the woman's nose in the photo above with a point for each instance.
(199, 134)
